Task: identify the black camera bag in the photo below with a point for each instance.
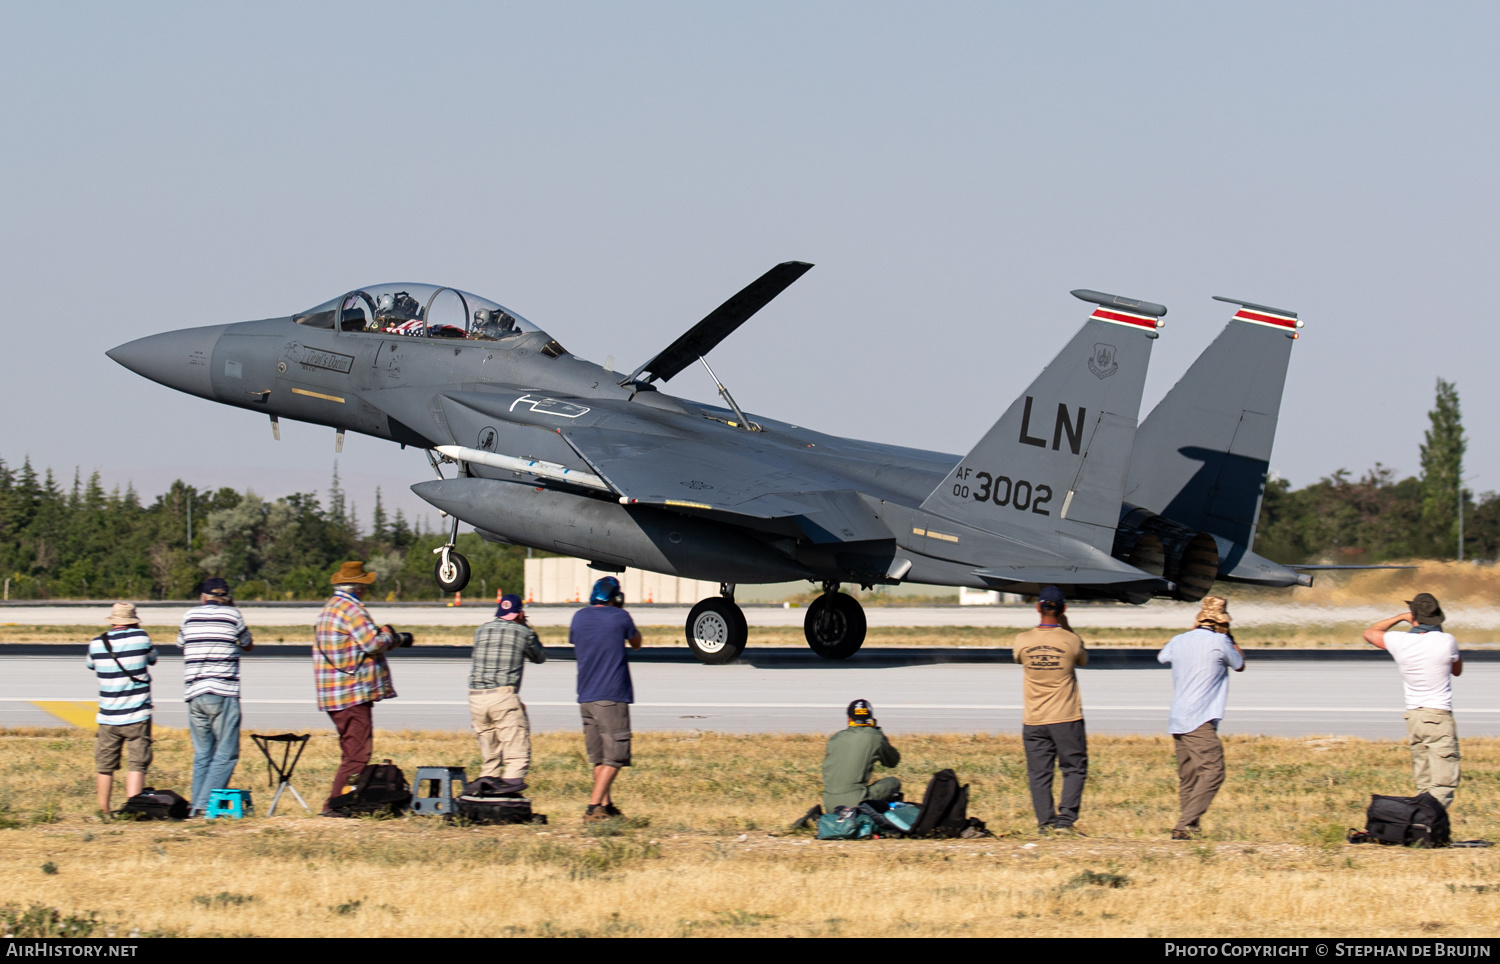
(154, 804)
(1419, 821)
(495, 810)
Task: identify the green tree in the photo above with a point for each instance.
(1442, 471)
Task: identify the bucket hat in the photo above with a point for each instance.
(123, 614)
(1425, 607)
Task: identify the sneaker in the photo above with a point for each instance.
(1068, 830)
(612, 810)
(595, 813)
(1181, 835)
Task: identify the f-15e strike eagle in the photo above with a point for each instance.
(558, 453)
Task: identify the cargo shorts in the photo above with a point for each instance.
(606, 732)
(110, 739)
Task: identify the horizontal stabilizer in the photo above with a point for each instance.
(1322, 568)
(703, 337)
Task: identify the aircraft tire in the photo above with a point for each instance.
(835, 625)
(717, 631)
(457, 575)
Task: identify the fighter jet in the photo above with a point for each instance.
(561, 454)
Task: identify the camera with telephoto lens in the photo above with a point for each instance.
(404, 639)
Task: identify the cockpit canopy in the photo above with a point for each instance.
(420, 311)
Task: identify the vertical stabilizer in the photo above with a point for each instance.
(1202, 455)
(1056, 462)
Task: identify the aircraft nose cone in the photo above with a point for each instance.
(176, 359)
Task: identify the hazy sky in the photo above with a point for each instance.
(614, 171)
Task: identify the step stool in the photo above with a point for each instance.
(438, 782)
(228, 803)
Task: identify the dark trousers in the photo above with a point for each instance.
(356, 728)
(1067, 746)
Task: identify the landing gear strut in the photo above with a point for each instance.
(835, 624)
(716, 628)
(452, 569)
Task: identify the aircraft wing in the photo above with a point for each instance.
(711, 468)
(720, 323)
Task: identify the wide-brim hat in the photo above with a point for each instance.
(1213, 609)
(123, 614)
(1425, 607)
(353, 572)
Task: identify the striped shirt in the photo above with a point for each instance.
(211, 638)
(123, 700)
(348, 665)
(1201, 660)
(500, 645)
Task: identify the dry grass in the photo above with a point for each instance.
(1335, 635)
(1455, 583)
(704, 852)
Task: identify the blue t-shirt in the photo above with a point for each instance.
(598, 636)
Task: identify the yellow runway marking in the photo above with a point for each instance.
(78, 714)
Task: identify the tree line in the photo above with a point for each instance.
(84, 542)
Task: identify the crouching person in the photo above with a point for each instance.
(850, 761)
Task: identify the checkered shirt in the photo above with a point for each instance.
(499, 648)
(348, 668)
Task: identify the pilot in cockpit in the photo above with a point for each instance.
(492, 325)
(398, 312)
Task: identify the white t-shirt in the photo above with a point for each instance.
(1426, 663)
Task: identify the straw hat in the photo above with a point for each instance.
(1213, 613)
(123, 614)
(353, 572)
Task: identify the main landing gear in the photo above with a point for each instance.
(452, 569)
(716, 628)
(835, 624)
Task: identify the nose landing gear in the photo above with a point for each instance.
(452, 569)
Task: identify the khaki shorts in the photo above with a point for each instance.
(606, 733)
(110, 738)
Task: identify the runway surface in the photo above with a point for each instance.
(1156, 614)
(1283, 697)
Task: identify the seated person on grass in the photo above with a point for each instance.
(851, 757)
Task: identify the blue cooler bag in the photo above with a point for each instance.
(845, 823)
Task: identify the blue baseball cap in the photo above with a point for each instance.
(605, 590)
(510, 605)
(1051, 594)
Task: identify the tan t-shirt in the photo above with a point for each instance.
(1049, 656)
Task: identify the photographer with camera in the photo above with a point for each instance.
(349, 670)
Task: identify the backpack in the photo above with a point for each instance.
(945, 808)
(381, 788)
(154, 804)
(1419, 821)
(846, 823)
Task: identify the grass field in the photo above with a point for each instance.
(1340, 635)
(704, 851)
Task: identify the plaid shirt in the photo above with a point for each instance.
(499, 647)
(348, 668)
